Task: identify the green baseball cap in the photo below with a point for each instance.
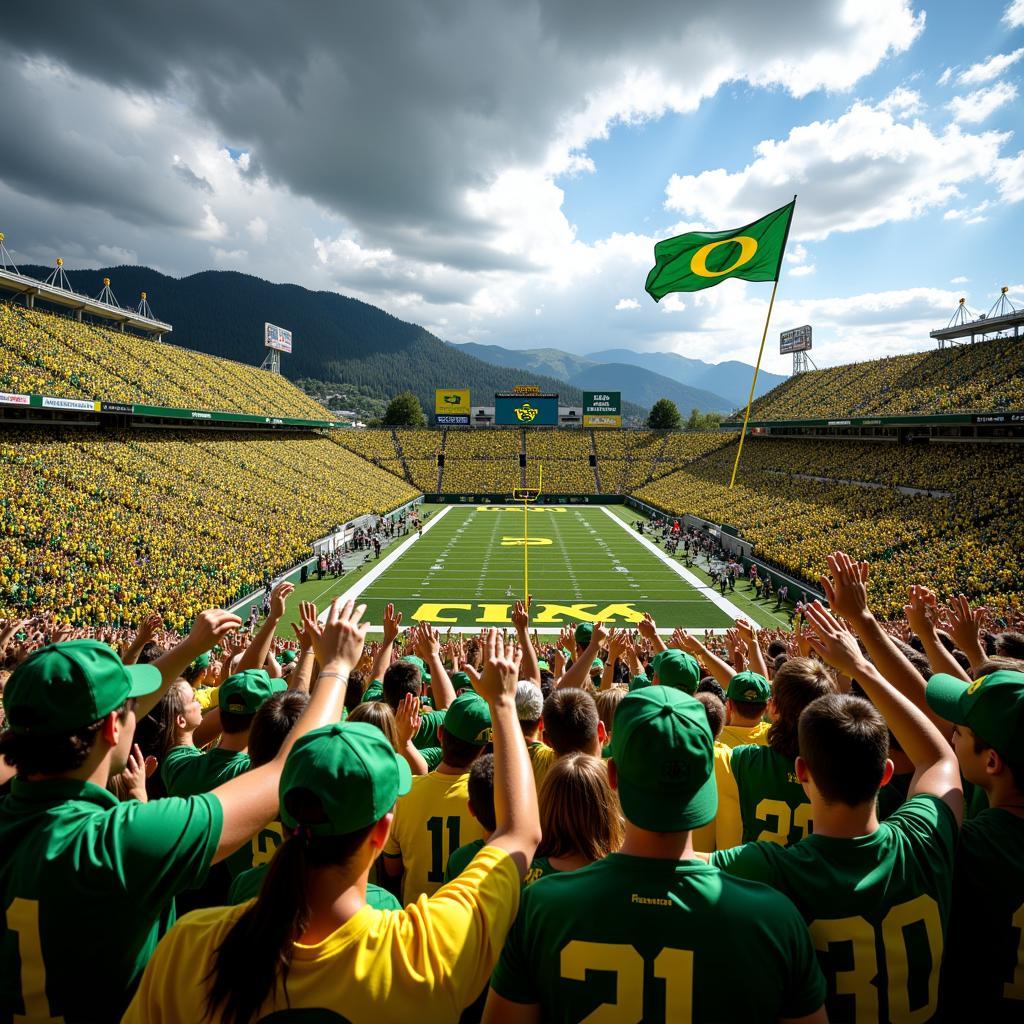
(245, 693)
(418, 662)
(597, 664)
(677, 669)
(469, 719)
(664, 757)
(584, 634)
(286, 657)
(354, 772)
(751, 687)
(203, 661)
(66, 686)
(992, 707)
(462, 681)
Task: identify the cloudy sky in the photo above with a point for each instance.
(499, 172)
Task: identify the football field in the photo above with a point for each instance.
(586, 563)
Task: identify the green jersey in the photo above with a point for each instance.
(983, 976)
(248, 884)
(87, 887)
(432, 755)
(773, 805)
(427, 734)
(187, 771)
(876, 907)
(637, 939)
(540, 868)
(458, 860)
(373, 692)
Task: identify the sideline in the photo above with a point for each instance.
(703, 589)
(386, 562)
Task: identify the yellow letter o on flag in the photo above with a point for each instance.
(699, 260)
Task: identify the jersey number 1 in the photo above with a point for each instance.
(23, 918)
(438, 855)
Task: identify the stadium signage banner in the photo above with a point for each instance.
(796, 340)
(277, 338)
(118, 407)
(78, 404)
(451, 407)
(512, 410)
(602, 408)
(6, 398)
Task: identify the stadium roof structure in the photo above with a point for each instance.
(56, 289)
(1003, 318)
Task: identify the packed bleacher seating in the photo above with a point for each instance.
(984, 377)
(954, 526)
(565, 456)
(481, 460)
(103, 525)
(376, 446)
(52, 354)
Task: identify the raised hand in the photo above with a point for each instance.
(307, 615)
(341, 637)
(921, 610)
(210, 628)
(392, 624)
(647, 627)
(501, 669)
(520, 617)
(408, 719)
(149, 627)
(833, 642)
(427, 641)
(963, 623)
(279, 600)
(847, 589)
(135, 774)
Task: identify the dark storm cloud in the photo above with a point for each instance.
(187, 175)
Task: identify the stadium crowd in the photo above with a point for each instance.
(50, 354)
(505, 829)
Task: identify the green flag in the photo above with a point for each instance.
(702, 259)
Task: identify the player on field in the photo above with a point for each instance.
(875, 896)
(309, 947)
(649, 933)
(87, 884)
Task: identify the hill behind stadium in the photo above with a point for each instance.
(337, 339)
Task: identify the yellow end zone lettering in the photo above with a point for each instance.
(544, 614)
(511, 542)
(518, 508)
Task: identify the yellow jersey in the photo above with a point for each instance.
(542, 757)
(431, 822)
(709, 837)
(738, 735)
(425, 963)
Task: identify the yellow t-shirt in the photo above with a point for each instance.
(724, 830)
(431, 822)
(542, 757)
(738, 735)
(425, 963)
(208, 697)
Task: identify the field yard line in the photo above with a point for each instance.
(702, 588)
(364, 581)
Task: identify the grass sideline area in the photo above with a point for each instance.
(586, 562)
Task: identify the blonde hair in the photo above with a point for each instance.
(377, 713)
(607, 702)
(579, 811)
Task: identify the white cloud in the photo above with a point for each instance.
(257, 229)
(1009, 176)
(1014, 14)
(959, 280)
(861, 170)
(990, 69)
(211, 227)
(902, 102)
(974, 215)
(627, 304)
(803, 271)
(945, 77)
(980, 104)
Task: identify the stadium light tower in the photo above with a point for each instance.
(6, 262)
(58, 278)
(106, 295)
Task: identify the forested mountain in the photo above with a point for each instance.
(335, 338)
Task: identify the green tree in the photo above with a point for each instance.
(664, 415)
(703, 421)
(404, 410)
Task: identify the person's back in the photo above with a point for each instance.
(433, 820)
(650, 933)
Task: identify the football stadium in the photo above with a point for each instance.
(352, 675)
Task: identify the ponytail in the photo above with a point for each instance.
(256, 953)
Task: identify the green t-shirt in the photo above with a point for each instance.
(876, 907)
(433, 756)
(660, 941)
(458, 860)
(187, 771)
(540, 867)
(983, 975)
(373, 692)
(87, 886)
(427, 735)
(773, 804)
(248, 884)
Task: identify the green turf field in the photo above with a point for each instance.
(586, 563)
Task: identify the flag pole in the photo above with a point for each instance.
(760, 351)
